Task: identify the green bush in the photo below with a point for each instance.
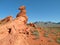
(45, 34)
(58, 40)
(35, 33)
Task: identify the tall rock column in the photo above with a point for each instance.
(22, 14)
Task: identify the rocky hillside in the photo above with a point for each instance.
(18, 32)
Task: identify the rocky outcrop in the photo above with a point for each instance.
(33, 25)
(22, 13)
(7, 19)
(10, 30)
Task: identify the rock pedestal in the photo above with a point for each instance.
(22, 13)
(10, 29)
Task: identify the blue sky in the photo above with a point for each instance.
(37, 10)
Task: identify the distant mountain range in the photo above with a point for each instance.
(47, 24)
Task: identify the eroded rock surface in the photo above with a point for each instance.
(10, 32)
(17, 32)
(22, 13)
(5, 20)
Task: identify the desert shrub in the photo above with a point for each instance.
(58, 31)
(45, 34)
(35, 38)
(58, 40)
(35, 33)
(50, 40)
(54, 32)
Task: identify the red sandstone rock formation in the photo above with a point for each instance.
(33, 25)
(7, 19)
(10, 31)
(16, 32)
(22, 13)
